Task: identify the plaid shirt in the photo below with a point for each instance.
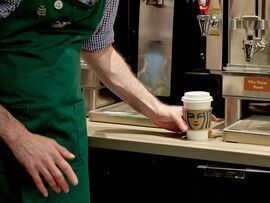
(103, 36)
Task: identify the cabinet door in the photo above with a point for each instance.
(219, 182)
(118, 176)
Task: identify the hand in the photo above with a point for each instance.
(42, 156)
(213, 118)
(170, 118)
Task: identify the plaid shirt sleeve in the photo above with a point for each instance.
(104, 35)
(8, 6)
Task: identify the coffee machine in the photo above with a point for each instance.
(247, 75)
(172, 52)
(244, 29)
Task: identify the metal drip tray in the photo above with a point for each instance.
(120, 113)
(253, 130)
(255, 124)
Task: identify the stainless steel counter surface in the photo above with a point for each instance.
(162, 142)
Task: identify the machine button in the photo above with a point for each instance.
(58, 4)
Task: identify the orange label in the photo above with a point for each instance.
(214, 33)
(257, 84)
(214, 11)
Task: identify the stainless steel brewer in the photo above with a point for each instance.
(247, 74)
(155, 45)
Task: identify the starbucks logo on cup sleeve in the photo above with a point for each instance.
(198, 119)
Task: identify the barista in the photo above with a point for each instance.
(43, 148)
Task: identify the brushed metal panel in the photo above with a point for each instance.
(155, 46)
(233, 85)
(238, 9)
(232, 110)
(215, 38)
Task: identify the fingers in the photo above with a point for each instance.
(64, 152)
(213, 118)
(50, 180)
(181, 122)
(56, 169)
(64, 166)
(59, 178)
(55, 178)
(38, 182)
(67, 170)
(182, 125)
(61, 166)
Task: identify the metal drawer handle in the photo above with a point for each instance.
(227, 172)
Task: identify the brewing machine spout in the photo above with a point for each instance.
(204, 23)
(249, 48)
(253, 42)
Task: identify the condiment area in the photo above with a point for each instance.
(132, 160)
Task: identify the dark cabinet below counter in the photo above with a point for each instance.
(120, 176)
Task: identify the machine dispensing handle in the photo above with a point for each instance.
(204, 6)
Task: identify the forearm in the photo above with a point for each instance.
(10, 127)
(115, 73)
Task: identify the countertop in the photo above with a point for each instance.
(162, 142)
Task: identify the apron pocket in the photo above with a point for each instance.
(82, 138)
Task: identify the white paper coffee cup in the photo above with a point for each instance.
(197, 113)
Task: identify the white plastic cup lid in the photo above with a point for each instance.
(197, 97)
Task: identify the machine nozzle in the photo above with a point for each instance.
(249, 48)
(204, 23)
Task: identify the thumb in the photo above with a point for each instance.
(183, 126)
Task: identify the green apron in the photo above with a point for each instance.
(40, 46)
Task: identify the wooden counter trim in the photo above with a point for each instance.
(161, 142)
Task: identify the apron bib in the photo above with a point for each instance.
(40, 46)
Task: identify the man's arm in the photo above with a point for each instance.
(40, 156)
(115, 73)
